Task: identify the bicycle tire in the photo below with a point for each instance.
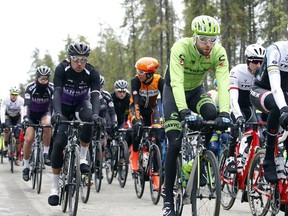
(228, 191)
(39, 168)
(86, 182)
(123, 162)
(33, 167)
(63, 184)
(98, 165)
(202, 197)
(255, 178)
(139, 176)
(155, 173)
(178, 190)
(11, 148)
(74, 183)
(110, 164)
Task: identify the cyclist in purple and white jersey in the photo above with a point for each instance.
(37, 109)
(76, 86)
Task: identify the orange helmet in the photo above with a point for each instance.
(147, 65)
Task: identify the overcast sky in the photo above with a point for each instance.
(30, 24)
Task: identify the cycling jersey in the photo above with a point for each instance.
(12, 108)
(107, 110)
(70, 91)
(121, 107)
(273, 74)
(38, 99)
(188, 68)
(145, 95)
(240, 85)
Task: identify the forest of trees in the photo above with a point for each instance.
(152, 30)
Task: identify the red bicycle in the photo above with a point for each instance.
(263, 196)
(231, 183)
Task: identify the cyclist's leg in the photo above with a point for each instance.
(45, 120)
(59, 144)
(173, 130)
(264, 101)
(29, 138)
(84, 113)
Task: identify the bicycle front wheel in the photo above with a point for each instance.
(257, 187)
(98, 165)
(12, 152)
(206, 191)
(139, 176)
(123, 163)
(74, 183)
(155, 173)
(33, 166)
(39, 168)
(110, 163)
(2, 143)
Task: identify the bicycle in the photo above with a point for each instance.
(12, 145)
(97, 155)
(263, 196)
(70, 176)
(231, 183)
(36, 159)
(150, 164)
(119, 160)
(204, 198)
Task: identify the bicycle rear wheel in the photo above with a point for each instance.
(229, 188)
(39, 168)
(86, 182)
(139, 176)
(257, 186)
(155, 173)
(123, 163)
(98, 165)
(74, 183)
(206, 197)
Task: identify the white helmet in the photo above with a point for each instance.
(255, 52)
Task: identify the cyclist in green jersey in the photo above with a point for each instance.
(184, 96)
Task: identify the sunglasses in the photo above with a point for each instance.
(256, 61)
(205, 38)
(14, 94)
(78, 59)
(122, 91)
(140, 72)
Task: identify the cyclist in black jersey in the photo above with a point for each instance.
(37, 109)
(75, 82)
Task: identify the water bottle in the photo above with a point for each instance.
(186, 169)
(279, 161)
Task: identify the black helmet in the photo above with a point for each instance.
(120, 85)
(43, 71)
(78, 48)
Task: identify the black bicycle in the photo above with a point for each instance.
(70, 176)
(150, 164)
(12, 145)
(119, 160)
(36, 159)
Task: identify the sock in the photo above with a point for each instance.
(55, 181)
(26, 164)
(46, 149)
(83, 152)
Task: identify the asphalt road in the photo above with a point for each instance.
(18, 199)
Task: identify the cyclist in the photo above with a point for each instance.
(241, 79)
(73, 79)
(107, 112)
(269, 94)
(190, 60)
(11, 114)
(145, 87)
(37, 109)
(121, 99)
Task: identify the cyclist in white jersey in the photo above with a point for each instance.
(241, 79)
(11, 110)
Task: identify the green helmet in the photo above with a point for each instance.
(205, 25)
